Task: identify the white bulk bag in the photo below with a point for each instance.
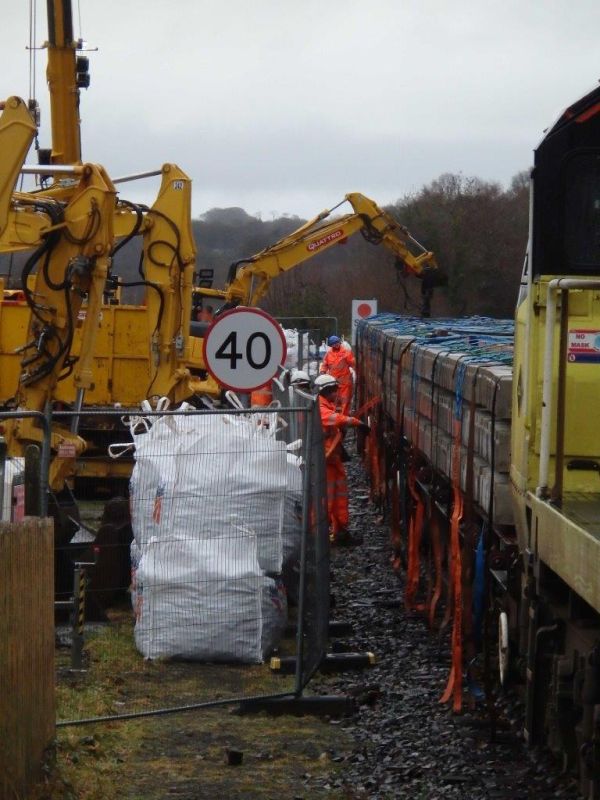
(231, 474)
(152, 482)
(207, 599)
(291, 533)
(197, 475)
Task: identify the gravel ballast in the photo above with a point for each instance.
(407, 744)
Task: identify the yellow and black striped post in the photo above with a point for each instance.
(79, 583)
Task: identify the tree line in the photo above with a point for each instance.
(477, 229)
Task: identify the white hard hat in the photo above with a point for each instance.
(299, 376)
(325, 382)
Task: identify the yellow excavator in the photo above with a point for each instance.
(63, 339)
(249, 278)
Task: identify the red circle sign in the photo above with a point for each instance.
(364, 310)
(244, 348)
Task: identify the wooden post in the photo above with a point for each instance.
(27, 704)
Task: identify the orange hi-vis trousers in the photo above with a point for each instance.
(344, 397)
(337, 495)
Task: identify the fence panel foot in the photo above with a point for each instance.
(319, 705)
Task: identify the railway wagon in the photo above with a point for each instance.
(485, 452)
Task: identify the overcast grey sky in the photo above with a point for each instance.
(284, 107)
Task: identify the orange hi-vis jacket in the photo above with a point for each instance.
(337, 363)
(333, 421)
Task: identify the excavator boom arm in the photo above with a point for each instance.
(250, 279)
(17, 131)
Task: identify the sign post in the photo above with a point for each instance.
(360, 310)
(244, 348)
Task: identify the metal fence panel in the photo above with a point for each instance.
(228, 512)
(313, 610)
(313, 617)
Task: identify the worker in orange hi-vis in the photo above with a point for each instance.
(206, 314)
(340, 364)
(262, 396)
(334, 423)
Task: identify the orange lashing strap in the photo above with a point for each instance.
(395, 526)
(381, 470)
(367, 455)
(371, 451)
(436, 547)
(367, 406)
(415, 529)
(374, 464)
(454, 686)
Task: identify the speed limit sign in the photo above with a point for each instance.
(244, 348)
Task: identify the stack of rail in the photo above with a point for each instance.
(439, 454)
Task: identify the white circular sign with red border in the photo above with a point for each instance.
(244, 348)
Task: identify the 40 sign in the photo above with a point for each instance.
(244, 348)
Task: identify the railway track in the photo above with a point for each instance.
(406, 743)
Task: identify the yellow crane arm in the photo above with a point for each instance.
(169, 262)
(249, 279)
(61, 74)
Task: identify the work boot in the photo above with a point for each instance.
(347, 539)
(341, 537)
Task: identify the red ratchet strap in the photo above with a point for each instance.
(454, 685)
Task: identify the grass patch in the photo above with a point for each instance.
(179, 755)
